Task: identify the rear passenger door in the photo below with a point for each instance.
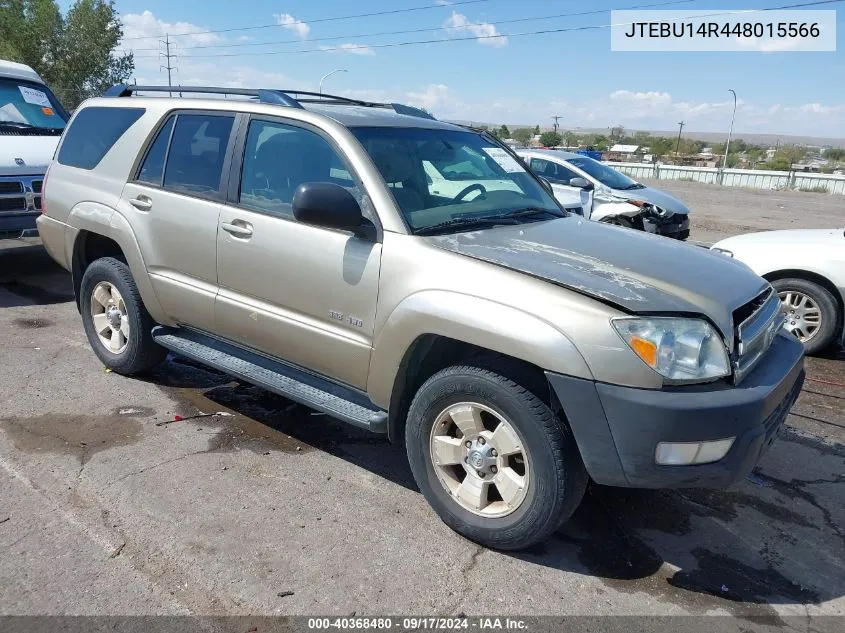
(173, 203)
(301, 293)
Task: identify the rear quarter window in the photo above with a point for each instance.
(93, 133)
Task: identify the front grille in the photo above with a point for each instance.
(11, 186)
(13, 204)
(756, 323)
(20, 194)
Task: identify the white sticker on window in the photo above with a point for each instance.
(35, 97)
(503, 159)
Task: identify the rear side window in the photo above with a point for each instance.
(152, 170)
(197, 152)
(93, 133)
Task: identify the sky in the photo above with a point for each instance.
(513, 79)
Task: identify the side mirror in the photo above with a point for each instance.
(582, 183)
(328, 205)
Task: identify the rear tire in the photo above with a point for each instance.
(812, 312)
(535, 449)
(117, 324)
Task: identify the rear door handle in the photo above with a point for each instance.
(238, 228)
(142, 203)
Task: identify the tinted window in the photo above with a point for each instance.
(197, 151)
(153, 167)
(604, 174)
(552, 171)
(278, 158)
(92, 134)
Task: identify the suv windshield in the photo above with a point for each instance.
(26, 105)
(604, 174)
(484, 181)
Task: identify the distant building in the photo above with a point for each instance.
(621, 153)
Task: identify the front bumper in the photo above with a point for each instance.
(13, 225)
(618, 428)
(676, 226)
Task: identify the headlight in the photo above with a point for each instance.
(681, 350)
(722, 251)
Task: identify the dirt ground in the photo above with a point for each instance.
(109, 507)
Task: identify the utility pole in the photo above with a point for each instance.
(168, 55)
(678, 146)
(730, 133)
(556, 118)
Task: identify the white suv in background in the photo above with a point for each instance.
(31, 123)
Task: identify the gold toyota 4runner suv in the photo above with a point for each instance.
(298, 242)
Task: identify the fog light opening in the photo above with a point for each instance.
(690, 453)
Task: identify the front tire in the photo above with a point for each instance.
(812, 314)
(117, 324)
(492, 459)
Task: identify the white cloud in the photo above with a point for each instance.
(431, 97)
(352, 49)
(146, 25)
(459, 26)
(287, 21)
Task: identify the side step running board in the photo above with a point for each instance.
(312, 391)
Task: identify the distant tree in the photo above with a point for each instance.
(570, 139)
(733, 160)
(642, 138)
(494, 133)
(834, 154)
(661, 146)
(504, 132)
(522, 135)
(76, 53)
(536, 129)
(597, 141)
(550, 139)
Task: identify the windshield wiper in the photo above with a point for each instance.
(28, 126)
(530, 212)
(461, 223)
(487, 220)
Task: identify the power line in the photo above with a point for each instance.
(329, 49)
(408, 31)
(331, 19)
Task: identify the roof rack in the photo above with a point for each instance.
(270, 96)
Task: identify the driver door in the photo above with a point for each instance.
(301, 293)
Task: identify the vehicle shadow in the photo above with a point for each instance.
(773, 539)
(28, 276)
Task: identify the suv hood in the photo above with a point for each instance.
(35, 151)
(654, 196)
(633, 270)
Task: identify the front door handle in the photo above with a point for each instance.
(238, 228)
(142, 203)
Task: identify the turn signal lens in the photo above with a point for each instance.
(646, 350)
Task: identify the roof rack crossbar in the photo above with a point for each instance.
(275, 97)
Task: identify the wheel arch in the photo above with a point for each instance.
(102, 232)
(824, 282)
(433, 329)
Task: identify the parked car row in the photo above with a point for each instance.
(427, 285)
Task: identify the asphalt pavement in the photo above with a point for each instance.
(251, 504)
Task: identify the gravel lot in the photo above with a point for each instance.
(108, 508)
(720, 212)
